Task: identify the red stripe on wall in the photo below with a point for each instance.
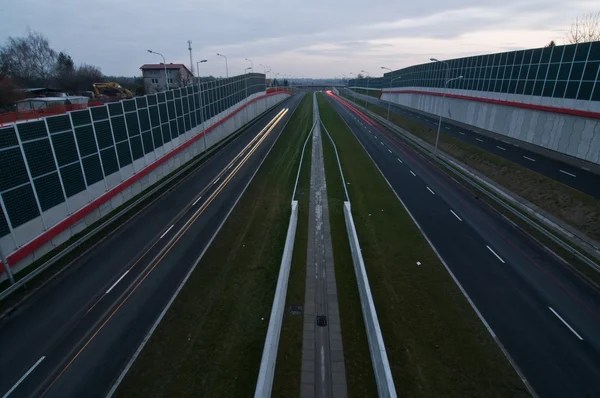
(544, 108)
(36, 243)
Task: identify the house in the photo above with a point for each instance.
(177, 75)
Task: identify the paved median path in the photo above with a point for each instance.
(323, 371)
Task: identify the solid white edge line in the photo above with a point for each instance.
(118, 280)
(411, 172)
(494, 253)
(23, 377)
(389, 150)
(528, 158)
(566, 324)
(116, 384)
(455, 215)
(400, 160)
(499, 147)
(567, 173)
(166, 232)
(456, 281)
(431, 190)
(479, 139)
(196, 201)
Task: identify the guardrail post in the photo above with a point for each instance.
(7, 269)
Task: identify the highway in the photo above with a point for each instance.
(545, 316)
(578, 178)
(74, 337)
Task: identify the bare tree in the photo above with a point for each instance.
(8, 94)
(584, 28)
(185, 79)
(28, 60)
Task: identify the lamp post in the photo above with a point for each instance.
(246, 81)
(251, 64)
(198, 69)
(202, 111)
(388, 112)
(165, 65)
(349, 86)
(226, 67)
(368, 80)
(437, 139)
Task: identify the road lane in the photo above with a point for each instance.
(513, 294)
(59, 320)
(578, 178)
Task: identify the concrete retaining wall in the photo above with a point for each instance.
(56, 225)
(571, 135)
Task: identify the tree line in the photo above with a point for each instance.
(29, 62)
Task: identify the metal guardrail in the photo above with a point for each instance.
(266, 372)
(302, 159)
(160, 185)
(498, 195)
(381, 365)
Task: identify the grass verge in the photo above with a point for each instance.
(211, 340)
(357, 358)
(372, 93)
(289, 355)
(436, 344)
(563, 202)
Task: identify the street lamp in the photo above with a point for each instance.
(165, 65)
(368, 80)
(226, 67)
(388, 113)
(246, 81)
(437, 139)
(198, 68)
(202, 110)
(251, 64)
(349, 86)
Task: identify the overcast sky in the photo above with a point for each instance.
(309, 38)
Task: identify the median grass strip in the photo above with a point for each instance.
(210, 341)
(436, 344)
(563, 202)
(289, 356)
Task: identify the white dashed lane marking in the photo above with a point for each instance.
(455, 215)
(567, 173)
(499, 147)
(494, 253)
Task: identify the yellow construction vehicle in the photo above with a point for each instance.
(111, 91)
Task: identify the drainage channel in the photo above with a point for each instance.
(323, 371)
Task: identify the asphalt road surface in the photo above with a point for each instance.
(73, 338)
(546, 317)
(578, 178)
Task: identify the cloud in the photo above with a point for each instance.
(310, 38)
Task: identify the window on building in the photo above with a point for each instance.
(170, 80)
(154, 81)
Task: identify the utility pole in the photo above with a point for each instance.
(191, 61)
